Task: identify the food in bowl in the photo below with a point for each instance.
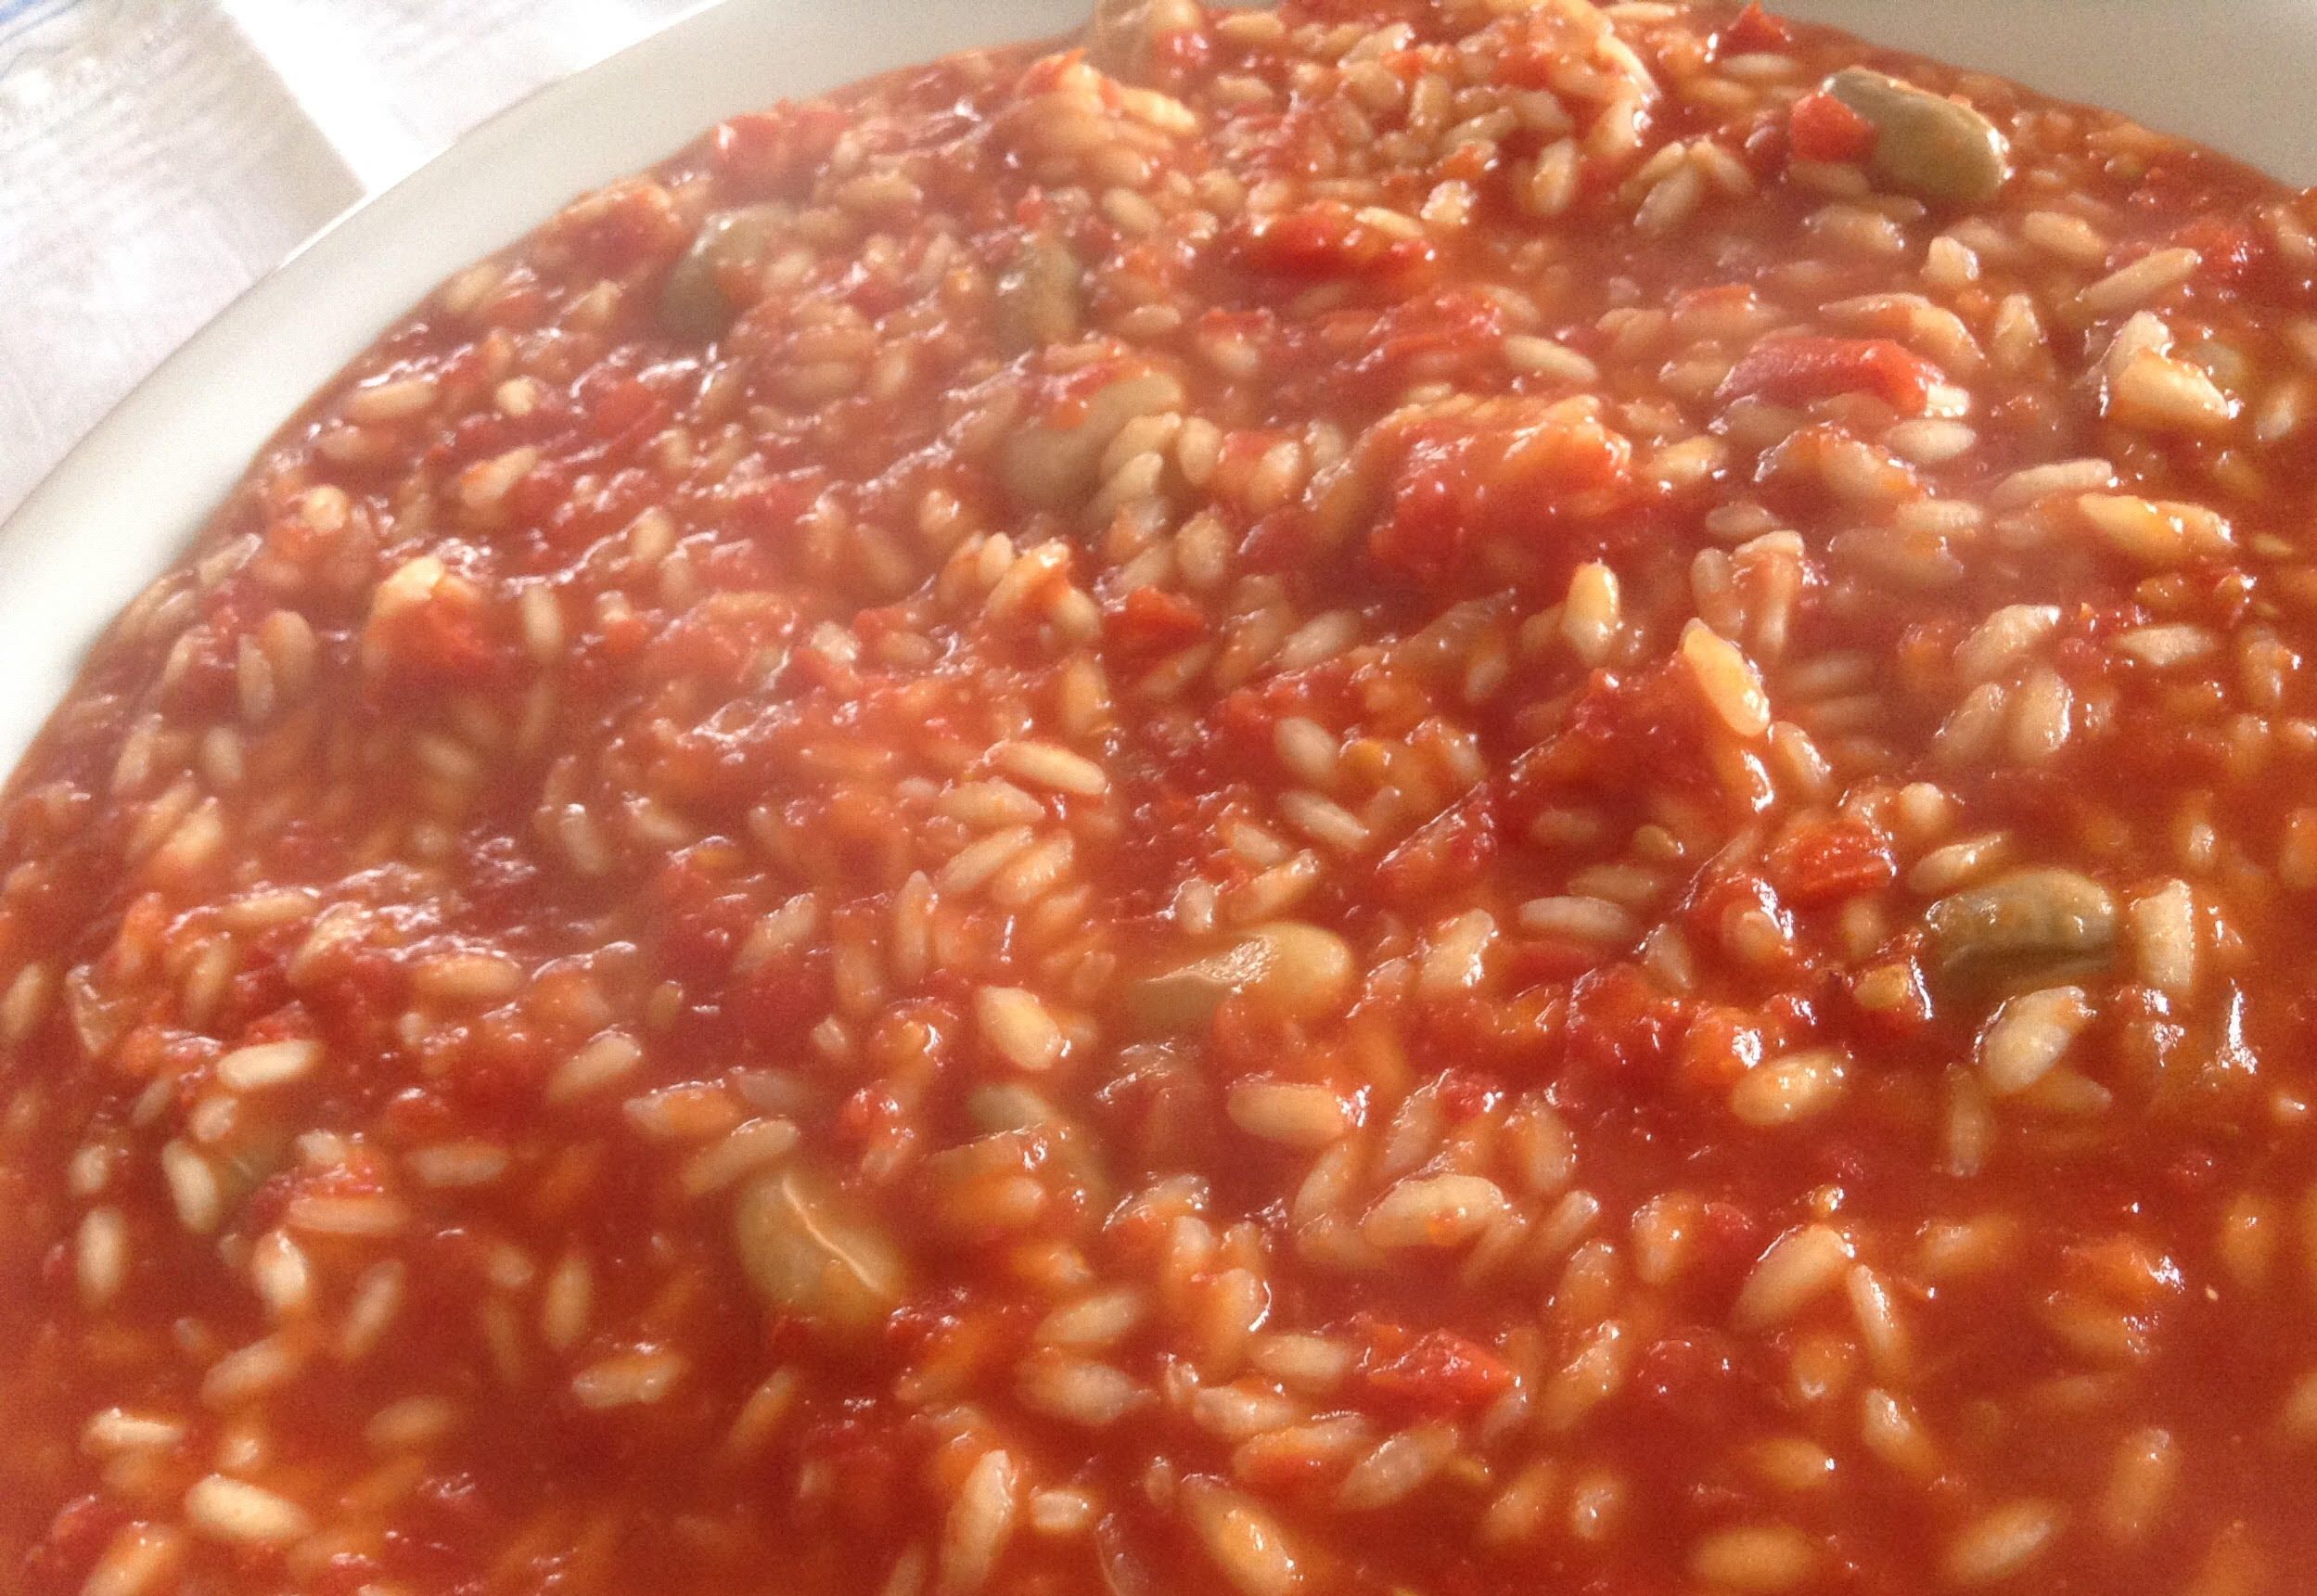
(1459, 797)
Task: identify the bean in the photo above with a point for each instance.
(1925, 143)
(2030, 921)
(1054, 468)
(1118, 37)
(1037, 297)
(1293, 970)
(693, 302)
(809, 1254)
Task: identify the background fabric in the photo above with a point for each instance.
(158, 156)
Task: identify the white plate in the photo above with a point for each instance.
(2231, 73)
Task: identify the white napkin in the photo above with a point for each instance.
(158, 156)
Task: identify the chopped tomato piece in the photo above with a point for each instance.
(1150, 619)
(1755, 30)
(1720, 1045)
(1824, 863)
(1797, 369)
(1620, 1025)
(621, 228)
(1329, 239)
(1439, 1373)
(1457, 484)
(449, 634)
(2232, 251)
(1456, 845)
(774, 152)
(1820, 127)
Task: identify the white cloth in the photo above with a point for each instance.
(158, 156)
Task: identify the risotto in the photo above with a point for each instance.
(1447, 798)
